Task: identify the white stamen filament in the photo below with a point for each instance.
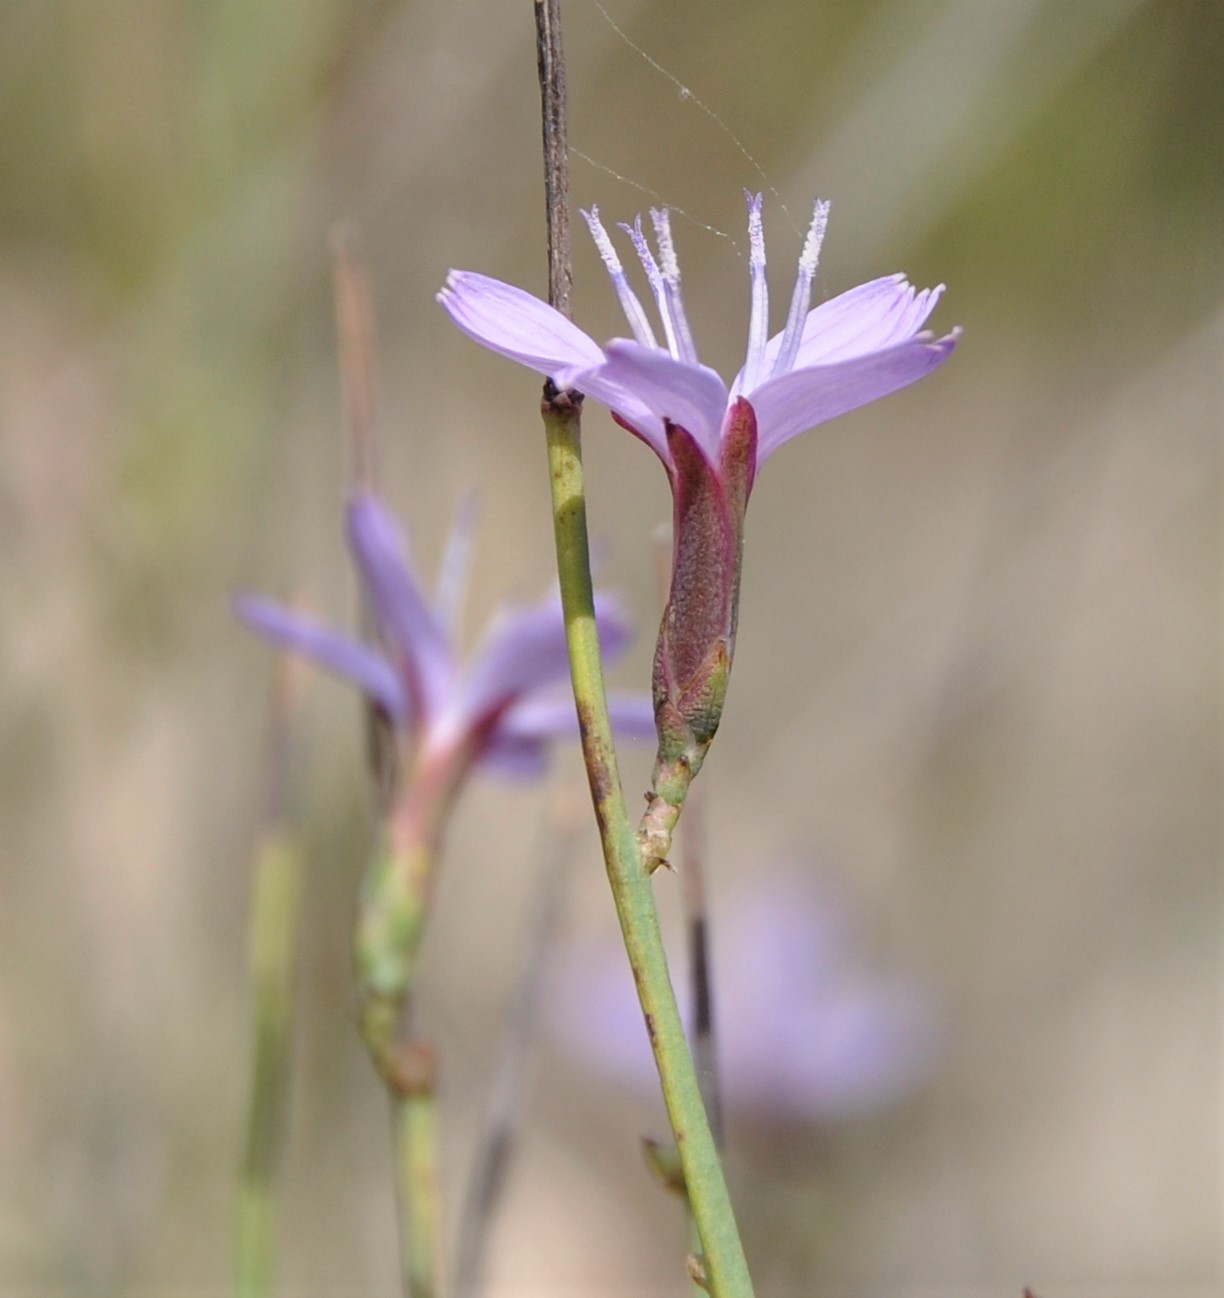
(655, 276)
(758, 320)
(635, 314)
(661, 220)
(801, 300)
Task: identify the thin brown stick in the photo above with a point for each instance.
(503, 1113)
(358, 339)
(697, 925)
(550, 57)
(357, 336)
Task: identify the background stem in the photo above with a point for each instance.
(415, 1117)
(273, 941)
(701, 980)
(391, 925)
(275, 912)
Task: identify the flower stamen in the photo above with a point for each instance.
(655, 276)
(758, 319)
(661, 220)
(801, 300)
(635, 313)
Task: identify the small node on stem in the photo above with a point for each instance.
(670, 784)
(560, 401)
(697, 1273)
(413, 1068)
(664, 1162)
(379, 1019)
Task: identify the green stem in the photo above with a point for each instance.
(415, 1115)
(669, 786)
(274, 921)
(723, 1254)
(391, 925)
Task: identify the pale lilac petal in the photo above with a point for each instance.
(800, 400)
(519, 747)
(692, 396)
(515, 757)
(330, 649)
(417, 636)
(869, 318)
(632, 714)
(550, 716)
(645, 423)
(547, 716)
(513, 322)
(525, 649)
(852, 320)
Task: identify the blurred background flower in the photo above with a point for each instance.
(502, 709)
(807, 1028)
(978, 659)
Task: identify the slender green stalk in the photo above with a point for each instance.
(391, 926)
(272, 955)
(415, 1115)
(274, 923)
(723, 1254)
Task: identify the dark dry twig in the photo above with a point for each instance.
(550, 57)
(357, 335)
(496, 1147)
(697, 926)
(358, 340)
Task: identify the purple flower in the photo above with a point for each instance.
(806, 1029)
(501, 710)
(712, 438)
(846, 352)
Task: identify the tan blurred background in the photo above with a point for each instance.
(977, 683)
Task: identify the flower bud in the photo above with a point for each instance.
(697, 636)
